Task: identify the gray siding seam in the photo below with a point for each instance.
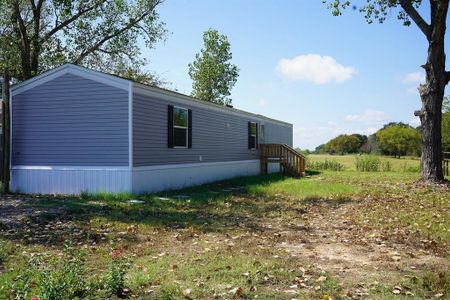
(217, 136)
(171, 96)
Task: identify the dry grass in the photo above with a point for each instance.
(343, 234)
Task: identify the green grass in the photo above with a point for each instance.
(227, 235)
(404, 164)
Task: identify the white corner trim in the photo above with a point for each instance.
(10, 132)
(193, 165)
(72, 168)
(182, 99)
(130, 125)
(74, 70)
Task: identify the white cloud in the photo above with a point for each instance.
(413, 90)
(368, 116)
(314, 68)
(415, 122)
(414, 78)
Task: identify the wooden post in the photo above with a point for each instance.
(5, 131)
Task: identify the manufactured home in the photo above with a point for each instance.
(74, 129)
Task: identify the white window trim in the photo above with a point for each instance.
(254, 135)
(182, 127)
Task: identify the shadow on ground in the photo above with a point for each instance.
(217, 207)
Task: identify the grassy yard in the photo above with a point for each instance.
(404, 164)
(341, 235)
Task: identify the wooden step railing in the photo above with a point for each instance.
(445, 163)
(291, 161)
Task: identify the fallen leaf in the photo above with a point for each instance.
(187, 293)
(237, 291)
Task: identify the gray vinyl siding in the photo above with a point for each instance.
(70, 121)
(277, 134)
(216, 135)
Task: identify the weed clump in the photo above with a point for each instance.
(331, 165)
(367, 163)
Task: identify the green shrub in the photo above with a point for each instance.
(66, 281)
(367, 163)
(331, 165)
(114, 279)
(66, 278)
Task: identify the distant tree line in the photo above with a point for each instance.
(394, 139)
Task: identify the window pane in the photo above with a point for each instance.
(179, 137)
(180, 117)
(252, 142)
(253, 128)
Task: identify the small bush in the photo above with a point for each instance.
(67, 278)
(68, 281)
(367, 163)
(114, 279)
(331, 165)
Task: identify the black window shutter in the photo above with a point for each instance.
(249, 135)
(189, 128)
(170, 127)
(256, 137)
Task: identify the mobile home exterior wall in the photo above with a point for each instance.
(219, 142)
(75, 130)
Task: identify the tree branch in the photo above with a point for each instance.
(131, 23)
(80, 12)
(416, 17)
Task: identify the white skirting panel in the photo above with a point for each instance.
(159, 178)
(69, 181)
(74, 180)
(273, 168)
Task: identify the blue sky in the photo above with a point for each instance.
(326, 75)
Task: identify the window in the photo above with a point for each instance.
(180, 127)
(252, 135)
(262, 134)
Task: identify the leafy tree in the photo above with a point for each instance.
(320, 149)
(361, 138)
(398, 140)
(37, 35)
(343, 144)
(446, 125)
(212, 73)
(371, 145)
(432, 92)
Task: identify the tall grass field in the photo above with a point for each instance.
(349, 162)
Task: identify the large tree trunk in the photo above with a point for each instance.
(430, 117)
(432, 95)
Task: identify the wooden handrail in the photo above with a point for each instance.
(291, 161)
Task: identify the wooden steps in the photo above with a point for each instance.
(291, 162)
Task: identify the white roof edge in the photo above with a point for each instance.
(208, 104)
(87, 73)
